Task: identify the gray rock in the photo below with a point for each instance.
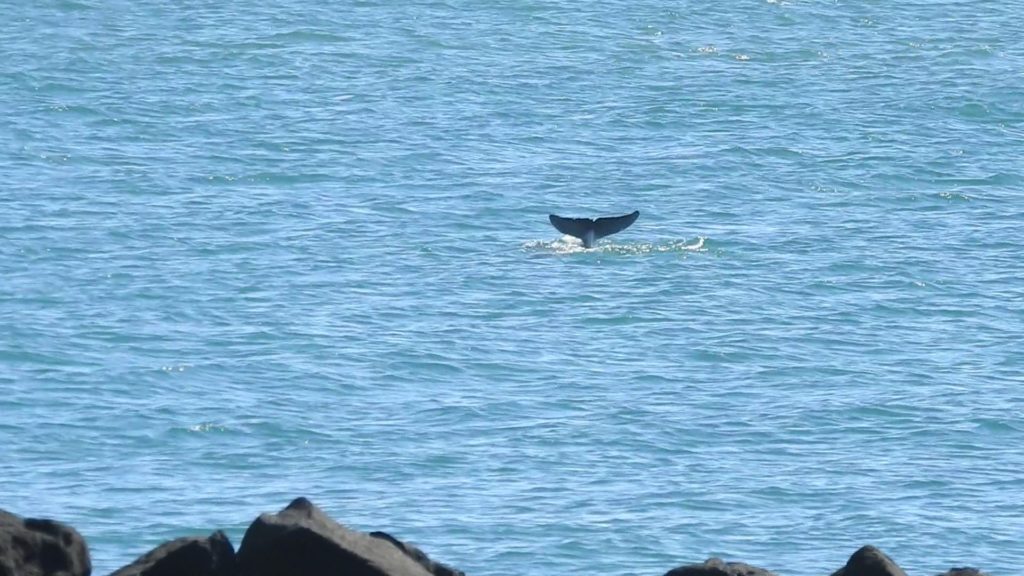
(301, 540)
(963, 572)
(32, 547)
(869, 561)
(435, 568)
(188, 556)
(718, 567)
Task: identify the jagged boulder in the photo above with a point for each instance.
(33, 547)
(718, 567)
(869, 561)
(435, 568)
(301, 540)
(191, 556)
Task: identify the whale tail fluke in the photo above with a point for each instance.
(589, 230)
(608, 226)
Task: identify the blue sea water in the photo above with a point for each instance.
(251, 251)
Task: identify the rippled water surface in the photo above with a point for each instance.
(249, 253)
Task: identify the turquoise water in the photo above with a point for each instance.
(251, 252)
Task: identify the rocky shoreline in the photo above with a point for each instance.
(301, 540)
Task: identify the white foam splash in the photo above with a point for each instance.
(207, 427)
(571, 245)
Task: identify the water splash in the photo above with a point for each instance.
(571, 245)
(207, 427)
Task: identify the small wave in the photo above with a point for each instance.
(178, 368)
(955, 196)
(207, 427)
(570, 245)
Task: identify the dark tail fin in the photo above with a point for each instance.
(608, 226)
(572, 226)
(589, 230)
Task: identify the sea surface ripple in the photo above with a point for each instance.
(253, 251)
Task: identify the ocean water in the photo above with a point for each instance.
(253, 251)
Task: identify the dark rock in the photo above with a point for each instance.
(435, 568)
(963, 572)
(717, 567)
(31, 547)
(869, 561)
(301, 540)
(189, 556)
